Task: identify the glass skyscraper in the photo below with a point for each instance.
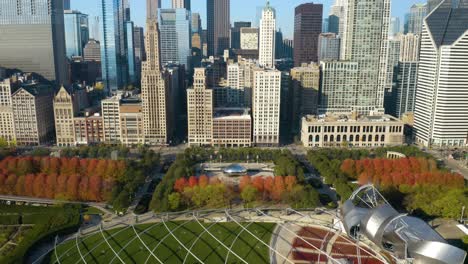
(76, 32)
(113, 61)
(130, 47)
(32, 37)
(175, 30)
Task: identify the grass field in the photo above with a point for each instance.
(130, 249)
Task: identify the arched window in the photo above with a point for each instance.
(376, 138)
(351, 138)
(357, 138)
(364, 138)
(369, 138)
(325, 138)
(332, 138)
(311, 138)
(338, 138)
(382, 138)
(317, 138)
(345, 138)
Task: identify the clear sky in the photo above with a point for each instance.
(241, 10)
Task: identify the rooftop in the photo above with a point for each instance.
(349, 118)
(232, 113)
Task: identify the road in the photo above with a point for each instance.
(452, 164)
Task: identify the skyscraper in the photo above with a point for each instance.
(218, 13)
(153, 89)
(307, 28)
(416, 17)
(409, 47)
(328, 47)
(33, 38)
(236, 33)
(64, 113)
(152, 7)
(431, 4)
(366, 43)
(66, 4)
(7, 125)
(76, 32)
(175, 38)
(442, 95)
(339, 14)
(200, 111)
(92, 51)
(266, 102)
(139, 45)
(113, 62)
(181, 4)
(394, 28)
(267, 37)
(196, 23)
(130, 51)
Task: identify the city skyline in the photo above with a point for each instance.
(285, 13)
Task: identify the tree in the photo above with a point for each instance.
(174, 201)
(279, 188)
(95, 188)
(193, 181)
(203, 181)
(268, 185)
(50, 186)
(258, 183)
(249, 194)
(39, 184)
(290, 182)
(180, 185)
(244, 182)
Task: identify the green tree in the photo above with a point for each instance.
(249, 194)
(174, 200)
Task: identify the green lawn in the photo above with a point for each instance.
(156, 237)
(92, 211)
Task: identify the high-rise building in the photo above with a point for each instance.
(64, 112)
(232, 127)
(288, 48)
(325, 24)
(305, 91)
(329, 47)
(131, 123)
(339, 16)
(113, 54)
(7, 125)
(267, 37)
(236, 33)
(432, 4)
(409, 47)
(392, 62)
(185, 4)
(33, 38)
(175, 38)
(307, 28)
(152, 7)
(367, 44)
(111, 119)
(441, 97)
(153, 90)
(394, 28)
(33, 114)
(200, 111)
(279, 44)
(92, 51)
(266, 107)
(130, 51)
(76, 32)
(219, 25)
(96, 29)
(406, 83)
(416, 17)
(140, 53)
(66, 4)
(333, 25)
(249, 38)
(196, 23)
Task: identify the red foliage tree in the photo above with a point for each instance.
(180, 185)
(193, 181)
(278, 189)
(203, 181)
(268, 185)
(290, 182)
(95, 185)
(244, 182)
(258, 183)
(51, 185)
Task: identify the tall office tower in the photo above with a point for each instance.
(113, 54)
(367, 45)
(111, 119)
(239, 83)
(175, 38)
(131, 123)
(266, 107)
(196, 23)
(267, 37)
(139, 45)
(339, 15)
(432, 4)
(394, 28)
(392, 62)
(33, 114)
(7, 125)
(152, 7)
(279, 44)
(96, 29)
(200, 111)
(307, 28)
(288, 48)
(174, 76)
(416, 17)
(64, 112)
(442, 95)
(409, 47)
(66, 5)
(130, 51)
(305, 90)
(181, 4)
(325, 24)
(329, 47)
(338, 86)
(153, 89)
(75, 35)
(406, 84)
(92, 51)
(219, 25)
(249, 39)
(236, 33)
(33, 38)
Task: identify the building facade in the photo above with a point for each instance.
(92, 51)
(219, 25)
(232, 127)
(267, 37)
(249, 38)
(89, 130)
(7, 125)
(131, 124)
(416, 16)
(441, 97)
(64, 113)
(111, 119)
(185, 4)
(329, 47)
(200, 111)
(140, 53)
(76, 32)
(23, 23)
(339, 16)
(266, 107)
(351, 131)
(307, 28)
(175, 36)
(236, 33)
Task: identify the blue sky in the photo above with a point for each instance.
(241, 10)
